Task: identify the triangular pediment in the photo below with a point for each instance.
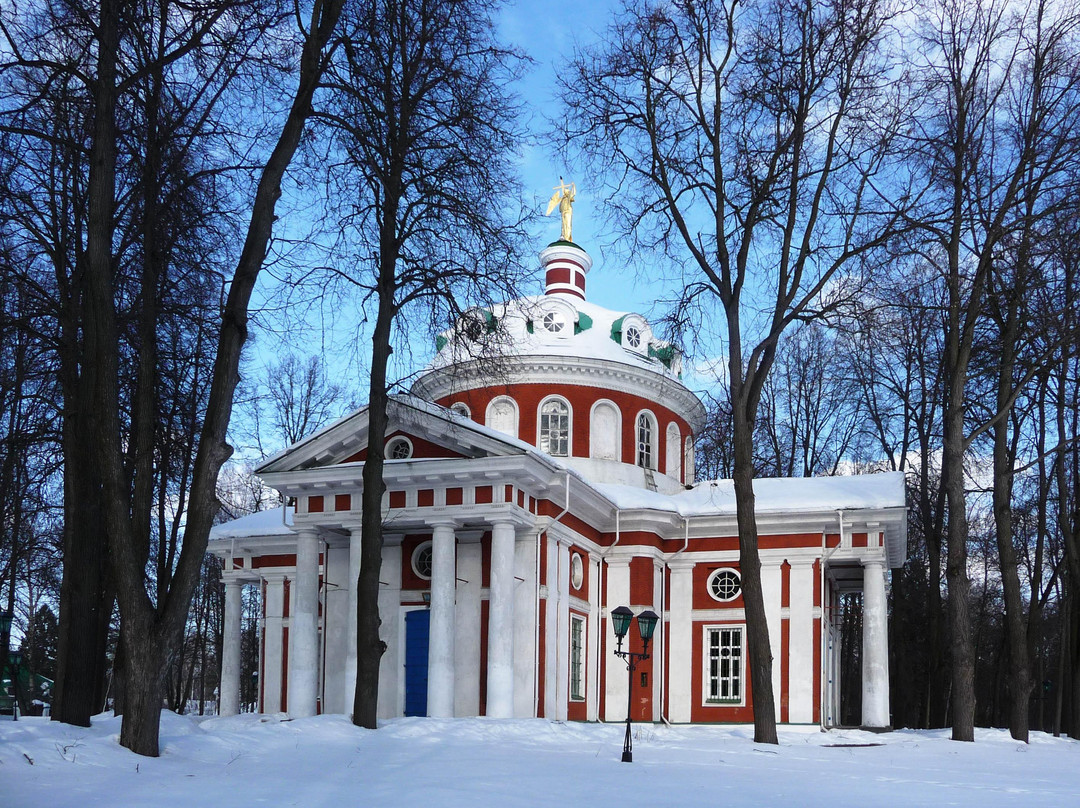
(433, 431)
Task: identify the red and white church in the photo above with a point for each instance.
(521, 510)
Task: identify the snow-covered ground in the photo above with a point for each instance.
(255, 760)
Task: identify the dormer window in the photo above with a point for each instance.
(633, 337)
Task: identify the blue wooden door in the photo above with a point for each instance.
(417, 625)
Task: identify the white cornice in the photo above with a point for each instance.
(575, 370)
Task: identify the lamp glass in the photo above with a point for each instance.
(5, 622)
(646, 622)
(620, 620)
(15, 656)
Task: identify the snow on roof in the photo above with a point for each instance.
(261, 523)
(592, 339)
(771, 495)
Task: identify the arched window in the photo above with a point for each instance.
(555, 427)
(688, 460)
(646, 441)
(673, 452)
(605, 437)
(502, 416)
(461, 408)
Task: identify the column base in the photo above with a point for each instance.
(877, 729)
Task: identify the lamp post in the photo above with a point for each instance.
(5, 632)
(620, 621)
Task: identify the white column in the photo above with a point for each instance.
(350, 640)
(467, 617)
(392, 664)
(525, 625)
(680, 641)
(337, 695)
(304, 628)
(618, 594)
(875, 648)
(551, 625)
(273, 632)
(441, 642)
(801, 643)
(230, 658)
(500, 656)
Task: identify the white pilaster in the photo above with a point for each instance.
(562, 641)
(392, 663)
(770, 590)
(525, 625)
(273, 632)
(467, 639)
(592, 664)
(500, 656)
(230, 658)
(350, 649)
(551, 626)
(875, 650)
(441, 642)
(304, 628)
(617, 594)
(680, 641)
(801, 643)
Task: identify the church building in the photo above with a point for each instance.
(528, 498)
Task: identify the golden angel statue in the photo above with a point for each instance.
(564, 199)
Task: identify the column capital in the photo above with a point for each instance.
(682, 564)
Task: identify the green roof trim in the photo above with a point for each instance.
(440, 342)
(529, 327)
(616, 329)
(490, 320)
(584, 322)
(665, 353)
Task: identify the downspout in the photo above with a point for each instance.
(664, 662)
(536, 601)
(825, 661)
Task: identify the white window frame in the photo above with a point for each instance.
(618, 427)
(461, 408)
(688, 460)
(738, 674)
(488, 414)
(415, 555)
(569, 426)
(716, 574)
(653, 444)
(673, 451)
(388, 449)
(578, 660)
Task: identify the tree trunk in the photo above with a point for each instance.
(369, 647)
(759, 649)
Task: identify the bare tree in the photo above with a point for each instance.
(427, 131)
(738, 138)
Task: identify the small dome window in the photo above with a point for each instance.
(460, 408)
(633, 337)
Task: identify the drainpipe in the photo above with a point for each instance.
(663, 610)
(536, 601)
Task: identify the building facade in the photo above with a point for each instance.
(526, 497)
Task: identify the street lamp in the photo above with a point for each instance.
(620, 621)
(9, 660)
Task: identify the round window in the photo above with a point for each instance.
(460, 408)
(398, 449)
(577, 571)
(633, 337)
(421, 561)
(725, 585)
(554, 322)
